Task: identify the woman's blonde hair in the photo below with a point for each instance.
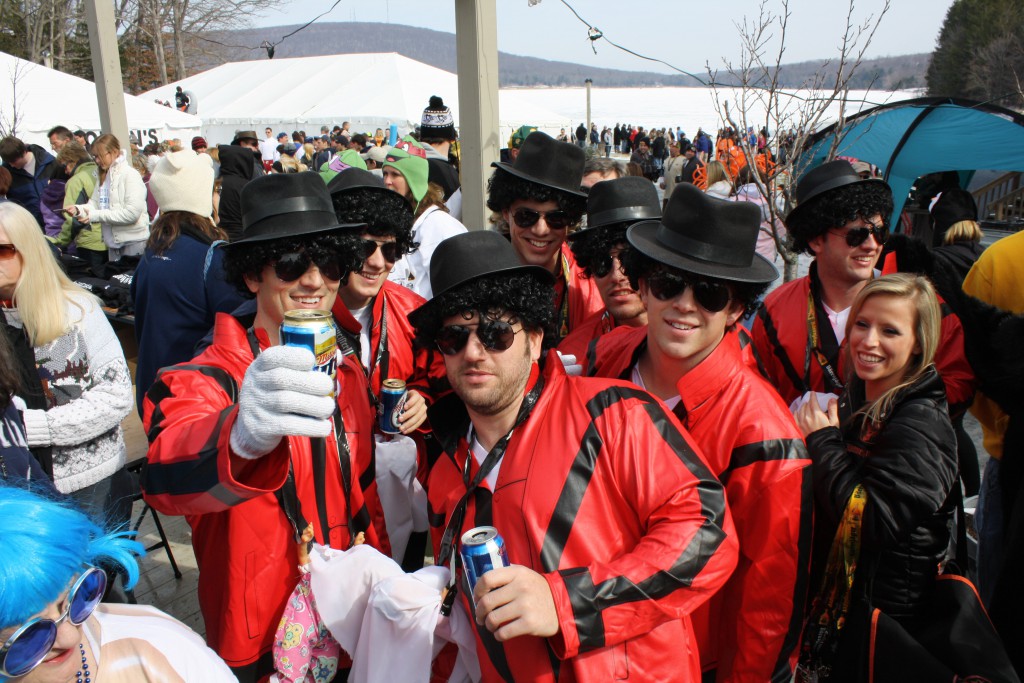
(963, 231)
(109, 144)
(716, 173)
(433, 197)
(927, 321)
(42, 292)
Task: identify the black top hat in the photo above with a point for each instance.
(825, 178)
(546, 161)
(468, 256)
(287, 205)
(622, 200)
(952, 206)
(707, 236)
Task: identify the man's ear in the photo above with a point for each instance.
(817, 244)
(736, 310)
(253, 283)
(535, 338)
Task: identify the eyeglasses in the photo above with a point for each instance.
(28, 646)
(711, 295)
(292, 266)
(7, 251)
(858, 236)
(495, 335)
(388, 249)
(601, 265)
(527, 218)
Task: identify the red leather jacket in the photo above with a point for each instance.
(244, 542)
(584, 299)
(750, 629)
(782, 345)
(602, 492)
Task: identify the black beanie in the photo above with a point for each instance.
(437, 121)
(953, 205)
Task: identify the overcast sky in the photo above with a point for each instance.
(685, 33)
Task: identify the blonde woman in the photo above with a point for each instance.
(889, 441)
(81, 369)
(719, 183)
(119, 202)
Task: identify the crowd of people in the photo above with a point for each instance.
(695, 476)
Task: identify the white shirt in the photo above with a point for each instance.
(364, 316)
(479, 454)
(268, 150)
(838, 321)
(637, 379)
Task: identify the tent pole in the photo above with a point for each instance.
(476, 42)
(106, 69)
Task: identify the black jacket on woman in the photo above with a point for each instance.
(908, 469)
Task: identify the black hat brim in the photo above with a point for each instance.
(339, 227)
(828, 187)
(643, 237)
(533, 179)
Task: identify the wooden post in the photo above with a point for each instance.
(106, 69)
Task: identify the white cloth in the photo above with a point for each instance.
(364, 316)
(387, 620)
(637, 379)
(413, 270)
(401, 495)
(837, 319)
(822, 397)
(141, 644)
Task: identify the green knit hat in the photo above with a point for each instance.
(347, 159)
(410, 159)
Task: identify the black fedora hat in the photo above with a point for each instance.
(621, 200)
(469, 256)
(355, 178)
(825, 178)
(244, 135)
(707, 236)
(287, 205)
(546, 161)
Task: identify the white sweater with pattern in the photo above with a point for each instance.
(89, 391)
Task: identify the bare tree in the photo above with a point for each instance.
(759, 103)
(9, 124)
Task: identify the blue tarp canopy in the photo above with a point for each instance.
(912, 138)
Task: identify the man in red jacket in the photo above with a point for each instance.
(698, 273)
(249, 443)
(615, 528)
(539, 197)
(612, 206)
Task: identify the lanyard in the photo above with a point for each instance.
(832, 381)
(454, 527)
(563, 305)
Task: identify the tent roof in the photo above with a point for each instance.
(370, 90)
(911, 138)
(46, 97)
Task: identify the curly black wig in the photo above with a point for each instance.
(593, 243)
(523, 297)
(835, 209)
(385, 213)
(250, 259)
(503, 188)
(639, 265)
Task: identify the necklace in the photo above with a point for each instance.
(83, 675)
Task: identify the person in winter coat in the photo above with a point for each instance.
(118, 203)
(747, 190)
(239, 163)
(956, 233)
(30, 167)
(248, 469)
(694, 355)
(887, 448)
(406, 171)
(18, 466)
(83, 176)
(538, 197)
(179, 285)
(79, 367)
(719, 183)
(615, 528)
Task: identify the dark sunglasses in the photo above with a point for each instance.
(858, 236)
(292, 266)
(388, 249)
(527, 218)
(7, 251)
(711, 295)
(495, 335)
(603, 264)
(28, 646)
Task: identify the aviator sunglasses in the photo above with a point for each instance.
(28, 646)
(495, 335)
(601, 265)
(527, 218)
(7, 251)
(290, 267)
(388, 249)
(858, 236)
(712, 296)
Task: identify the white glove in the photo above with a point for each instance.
(569, 363)
(281, 395)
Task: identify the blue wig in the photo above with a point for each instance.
(44, 545)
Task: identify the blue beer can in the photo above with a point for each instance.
(392, 403)
(313, 330)
(482, 550)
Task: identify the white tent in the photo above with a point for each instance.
(369, 90)
(41, 98)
